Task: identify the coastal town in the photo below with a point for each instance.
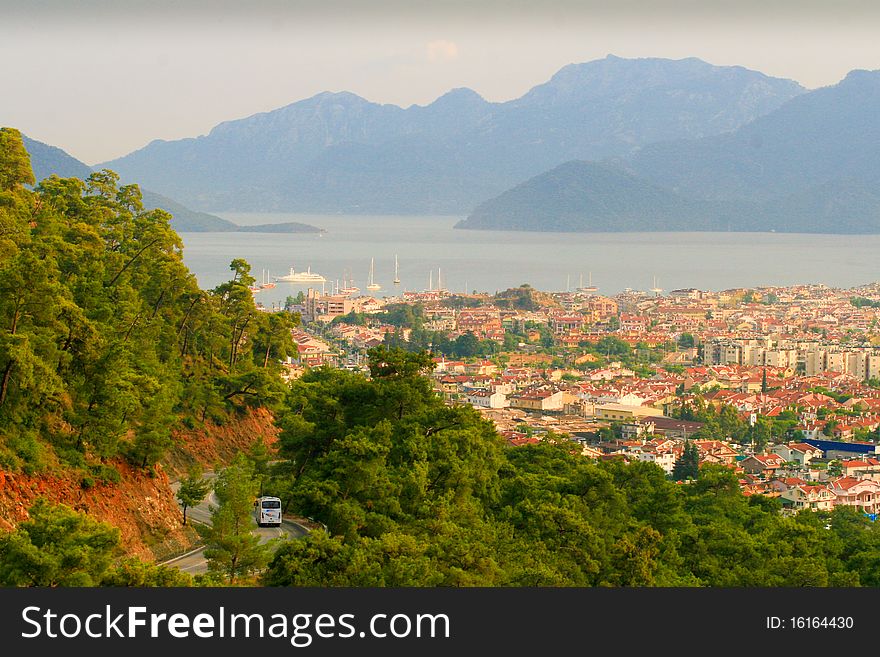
(780, 384)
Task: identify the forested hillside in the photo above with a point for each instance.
(416, 493)
(106, 341)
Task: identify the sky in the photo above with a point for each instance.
(100, 78)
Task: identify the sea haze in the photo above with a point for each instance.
(496, 260)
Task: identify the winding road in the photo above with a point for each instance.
(194, 562)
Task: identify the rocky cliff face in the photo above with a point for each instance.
(219, 443)
(142, 504)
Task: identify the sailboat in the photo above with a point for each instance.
(656, 290)
(589, 287)
(396, 271)
(372, 284)
(348, 286)
(267, 280)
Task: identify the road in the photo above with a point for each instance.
(194, 562)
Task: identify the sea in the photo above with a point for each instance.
(431, 253)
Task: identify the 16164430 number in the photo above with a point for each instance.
(810, 623)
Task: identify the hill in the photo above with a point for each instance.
(590, 197)
(186, 220)
(47, 160)
(830, 134)
(525, 297)
(286, 227)
(337, 152)
(811, 166)
(103, 352)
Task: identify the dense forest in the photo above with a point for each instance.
(106, 340)
(414, 492)
(106, 343)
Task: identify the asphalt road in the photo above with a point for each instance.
(194, 562)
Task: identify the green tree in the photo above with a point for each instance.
(467, 345)
(260, 458)
(613, 346)
(687, 466)
(15, 164)
(237, 305)
(272, 340)
(298, 300)
(131, 572)
(232, 548)
(193, 489)
(57, 546)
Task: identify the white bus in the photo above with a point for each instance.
(267, 511)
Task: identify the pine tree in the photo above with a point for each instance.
(57, 546)
(232, 548)
(688, 464)
(192, 490)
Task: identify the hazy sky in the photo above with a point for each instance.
(101, 78)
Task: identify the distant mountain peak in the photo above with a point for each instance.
(458, 97)
(861, 76)
(336, 151)
(614, 77)
(338, 96)
(461, 92)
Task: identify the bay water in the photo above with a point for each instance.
(428, 249)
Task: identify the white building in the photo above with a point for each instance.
(486, 399)
(665, 460)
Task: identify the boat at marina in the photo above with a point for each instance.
(307, 276)
(372, 285)
(656, 289)
(348, 287)
(587, 288)
(267, 282)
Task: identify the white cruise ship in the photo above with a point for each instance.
(301, 277)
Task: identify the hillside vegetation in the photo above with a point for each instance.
(106, 341)
(416, 493)
(108, 349)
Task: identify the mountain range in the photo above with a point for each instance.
(609, 145)
(812, 165)
(47, 160)
(339, 153)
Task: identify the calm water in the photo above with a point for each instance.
(490, 260)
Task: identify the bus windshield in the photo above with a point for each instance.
(271, 504)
